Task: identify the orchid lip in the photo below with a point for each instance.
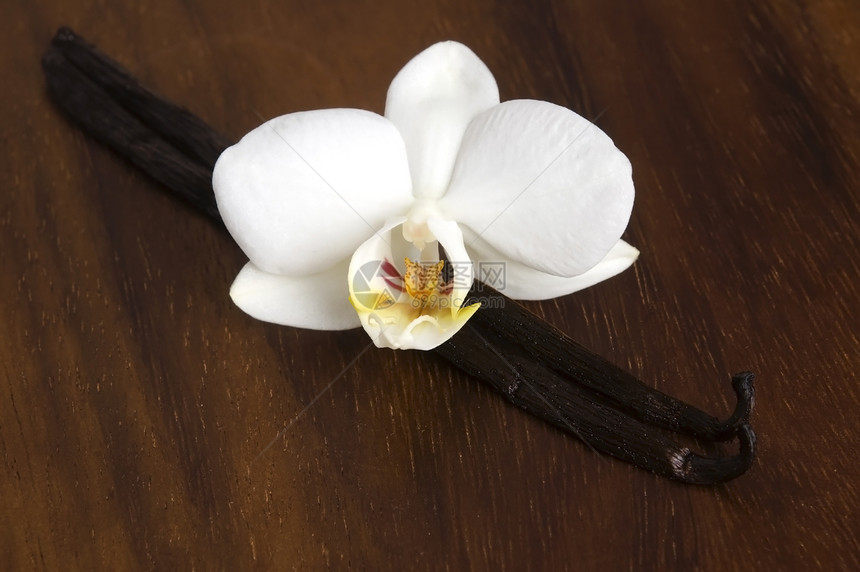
(415, 306)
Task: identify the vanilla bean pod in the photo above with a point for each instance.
(163, 140)
(539, 369)
(517, 327)
(503, 345)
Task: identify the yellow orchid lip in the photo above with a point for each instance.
(413, 309)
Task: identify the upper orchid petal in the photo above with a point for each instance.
(542, 185)
(319, 301)
(522, 282)
(300, 191)
(431, 101)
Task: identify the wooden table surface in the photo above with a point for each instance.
(137, 402)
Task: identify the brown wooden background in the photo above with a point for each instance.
(135, 398)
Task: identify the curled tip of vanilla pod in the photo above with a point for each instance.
(532, 364)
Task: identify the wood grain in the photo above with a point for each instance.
(136, 399)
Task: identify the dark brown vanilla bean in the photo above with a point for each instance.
(543, 371)
(535, 366)
(166, 142)
(517, 327)
(176, 125)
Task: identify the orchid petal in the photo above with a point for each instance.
(521, 282)
(432, 100)
(300, 191)
(319, 301)
(542, 185)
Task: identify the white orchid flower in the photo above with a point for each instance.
(342, 212)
